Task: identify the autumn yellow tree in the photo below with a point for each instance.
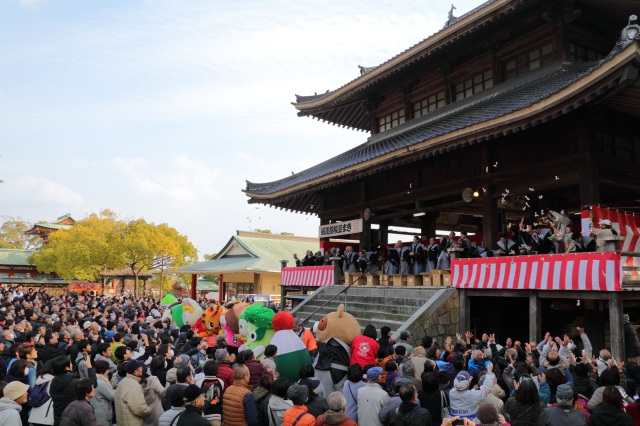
(104, 241)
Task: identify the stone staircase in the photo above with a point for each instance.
(417, 309)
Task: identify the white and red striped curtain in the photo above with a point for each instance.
(579, 271)
(626, 225)
(307, 276)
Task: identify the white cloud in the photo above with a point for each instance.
(37, 188)
(183, 180)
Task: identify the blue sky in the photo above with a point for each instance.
(162, 109)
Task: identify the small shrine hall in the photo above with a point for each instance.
(528, 105)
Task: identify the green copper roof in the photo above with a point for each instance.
(16, 257)
(263, 254)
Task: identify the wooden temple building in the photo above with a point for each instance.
(534, 105)
(43, 229)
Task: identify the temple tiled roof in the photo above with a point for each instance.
(261, 254)
(16, 257)
(501, 100)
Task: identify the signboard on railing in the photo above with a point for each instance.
(576, 272)
(340, 228)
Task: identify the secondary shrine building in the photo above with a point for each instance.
(532, 104)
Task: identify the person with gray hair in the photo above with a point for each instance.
(409, 372)
(405, 337)
(336, 414)
(564, 413)
(225, 371)
(298, 414)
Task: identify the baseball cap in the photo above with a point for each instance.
(564, 392)
(374, 373)
(191, 393)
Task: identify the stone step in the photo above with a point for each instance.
(357, 307)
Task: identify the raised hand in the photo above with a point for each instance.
(509, 343)
(580, 330)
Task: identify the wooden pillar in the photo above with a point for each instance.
(220, 288)
(535, 318)
(365, 235)
(335, 262)
(589, 182)
(615, 325)
(384, 232)
(194, 280)
(428, 224)
(465, 311)
(489, 219)
(283, 293)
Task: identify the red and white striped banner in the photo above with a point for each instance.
(579, 271)
(308, 276)
(627, 225)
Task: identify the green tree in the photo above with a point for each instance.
(85, 250)
(12, 235)
(210, 256)
(104, 241)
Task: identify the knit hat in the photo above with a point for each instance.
(564, 393)
(487, 413)
(15, 390)
(373, 374)
(461, 382)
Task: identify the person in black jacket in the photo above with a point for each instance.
(194, 404)
(50, 350)
(410, 413)
(62, 387)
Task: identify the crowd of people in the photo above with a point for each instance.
(428, 254)
(97, 360)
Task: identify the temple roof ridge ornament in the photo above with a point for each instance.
(451, 19)
(365, 70)
(630, 33)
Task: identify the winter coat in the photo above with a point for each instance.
(256, 371)
(43, 414)
(62, 391)
(152, 391)
(191, 417)
(371, 399)
(296, 411)
(350, 391)
(465, 403)
(49, 352)
(78, 413)
(225, 373)
(101, 402)
(410, 414)
(131, 408)
(167, 417)
(277, 407)
(363, 351)
(9, 412)
(521, 414)
(262, 397)
(316, 405)
(112, 367)
(387, 414)
(335, 419)
(609, 416)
